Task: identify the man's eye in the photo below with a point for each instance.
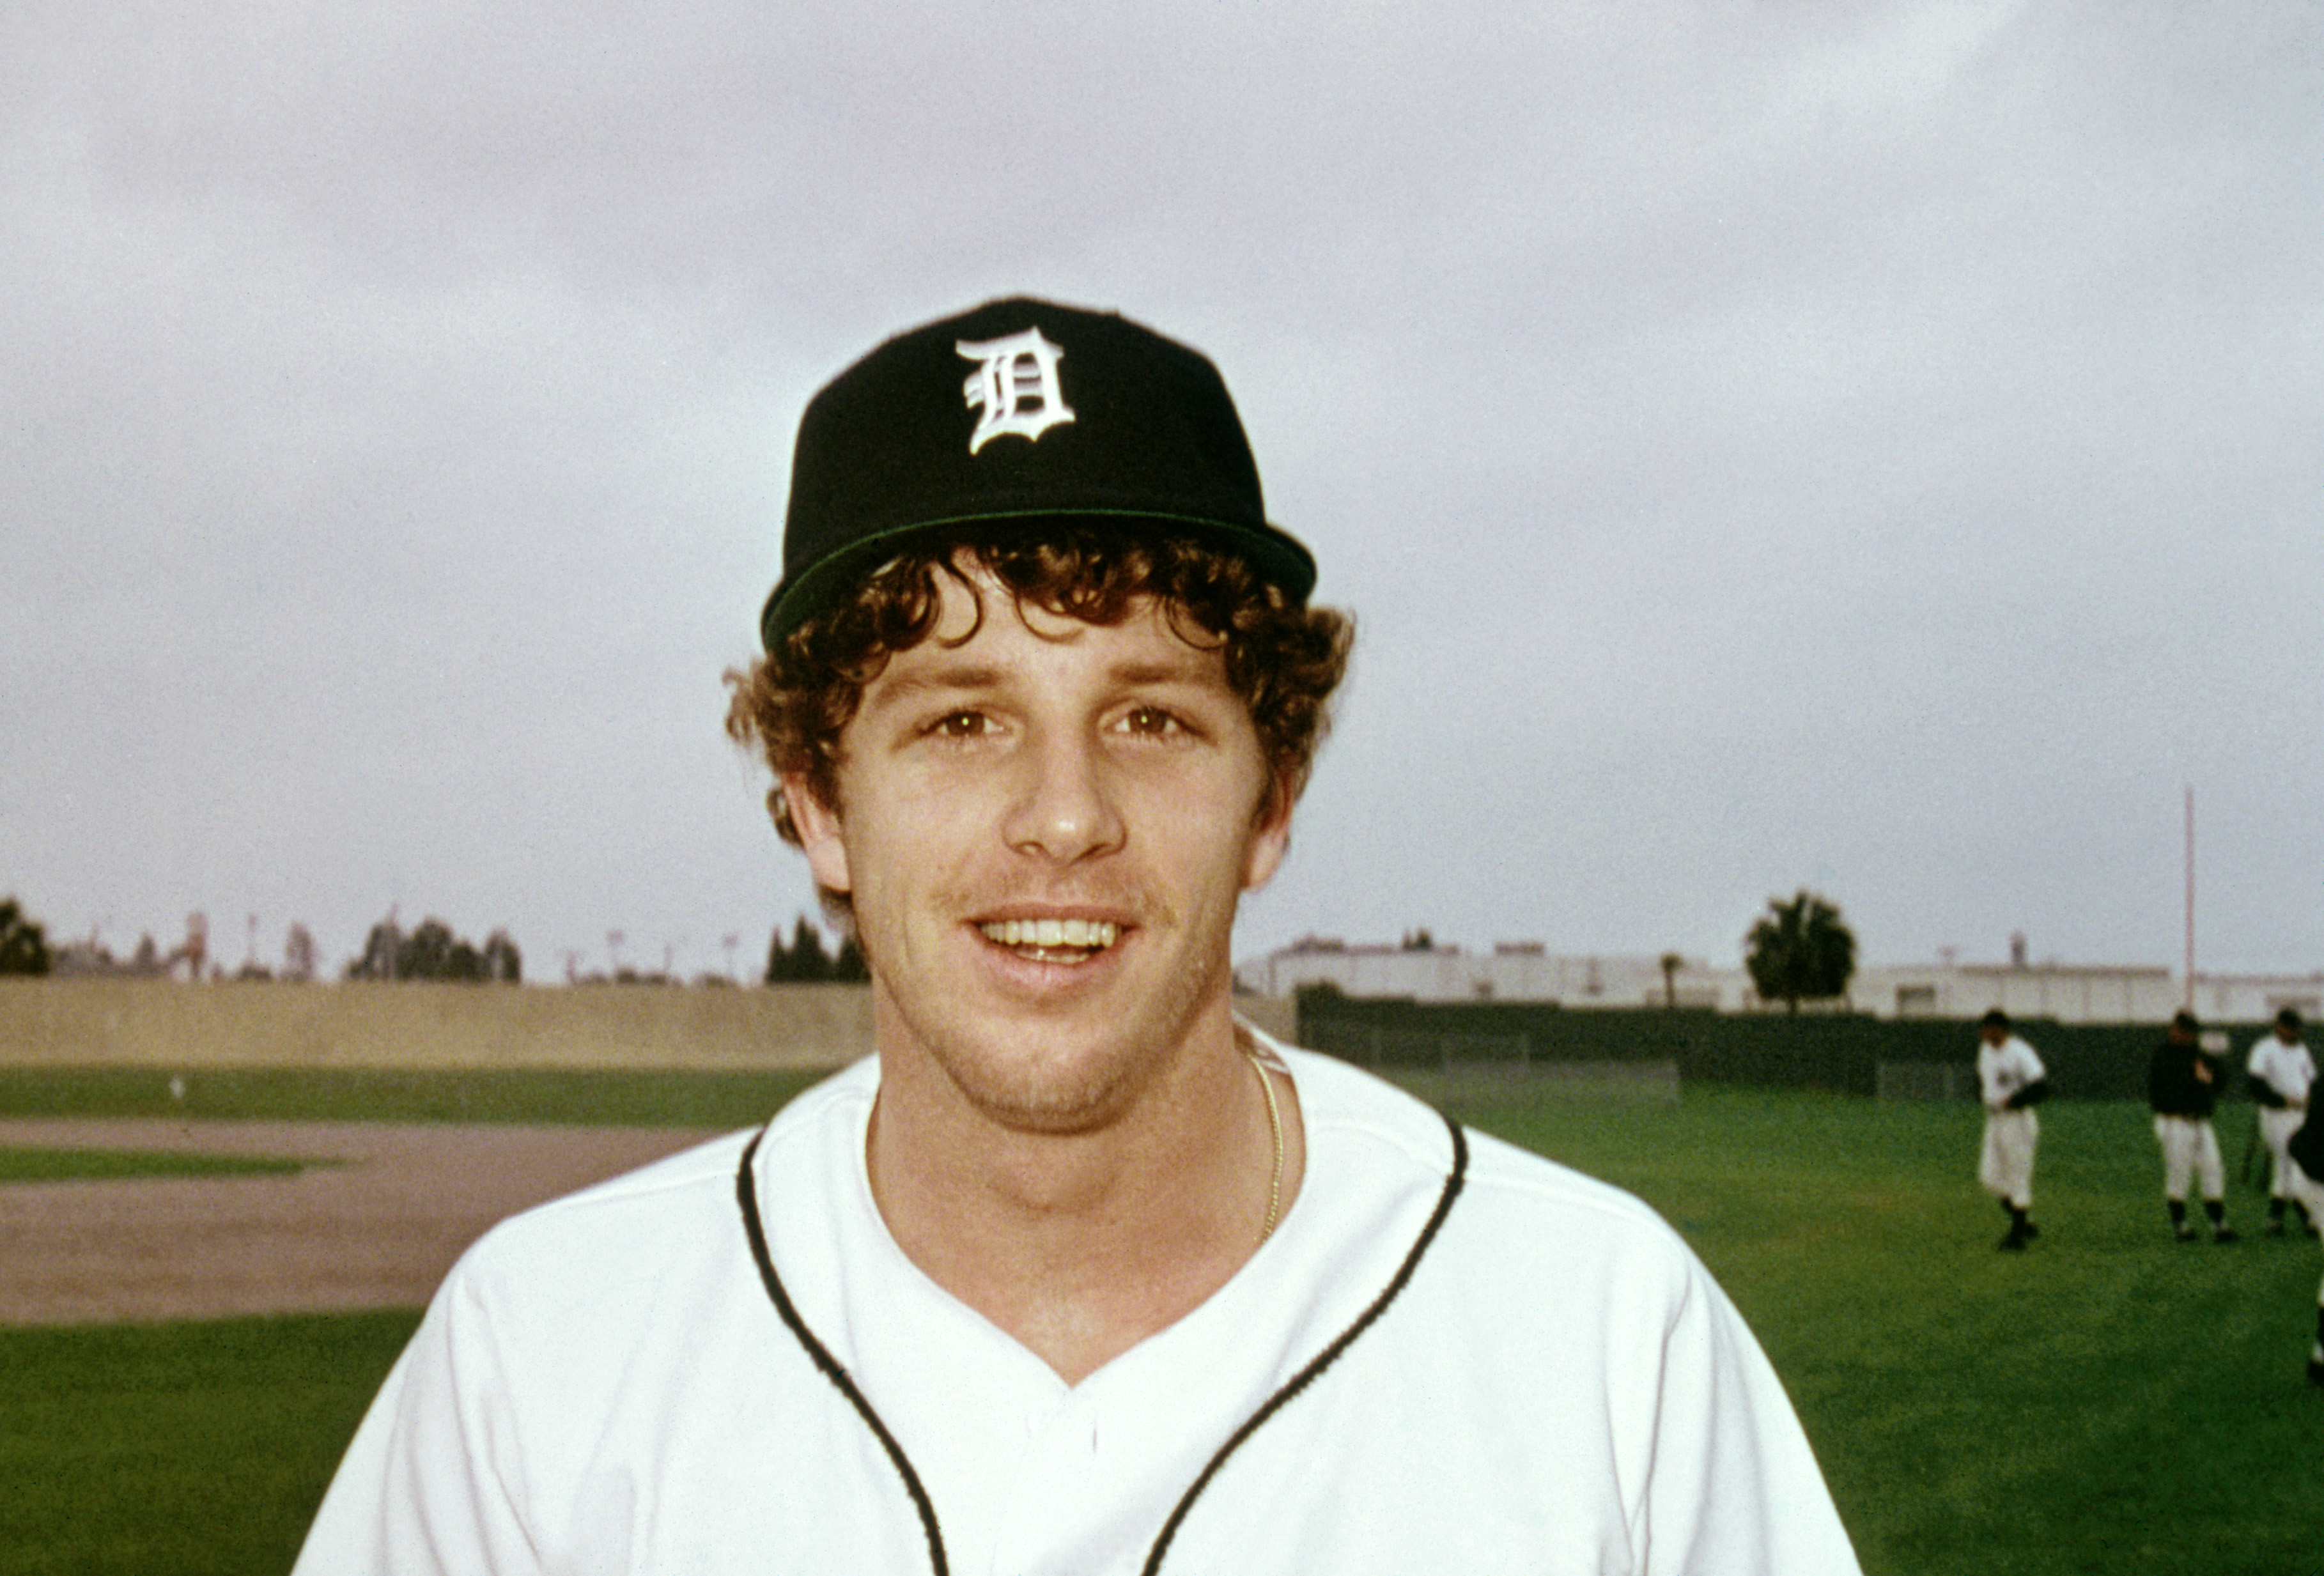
(962, 724)
(1151, 720)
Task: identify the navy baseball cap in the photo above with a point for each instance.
(1019, 411)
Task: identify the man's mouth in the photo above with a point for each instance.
(1052, 941)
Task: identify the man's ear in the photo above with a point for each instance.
(1270, 835)
(818, 828)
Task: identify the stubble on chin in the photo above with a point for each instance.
(1054, 1078)
(1057, 1102)
(1062, 1077)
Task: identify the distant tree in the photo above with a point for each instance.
(23, 944)
(427, 953)
(809, 961)
(1418, 940)
(378, 957)
(433, 950)
(298, 954)
(503, 964)
(849, 966)
(1672, 963)
(1800, 950)
(803, 962)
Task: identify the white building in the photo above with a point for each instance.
(2067, 993)
(1420, 970)
(1514, 971)
(2257, 998)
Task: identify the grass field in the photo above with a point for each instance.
(2109, 1401)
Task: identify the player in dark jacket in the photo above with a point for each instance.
(2182, 1084)
(2304, 1151)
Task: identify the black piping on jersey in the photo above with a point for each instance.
(832, 1369)
(830, 1365)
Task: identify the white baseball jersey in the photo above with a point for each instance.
(2289, 1070)
(1451, 1355)
(2005, 1069)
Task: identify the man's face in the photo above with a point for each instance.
(2287, 1034)
(1994, 1035)
(1046, 831)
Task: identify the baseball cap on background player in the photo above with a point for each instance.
(1019, 411)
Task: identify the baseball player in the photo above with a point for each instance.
(2183, 1085)
(2303, 1155)
(1078, 1273)
(2281, 1071)
(2011, 1079)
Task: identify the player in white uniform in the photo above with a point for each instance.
(2011, 1081)
(2281, 1072)
(1079, 1274)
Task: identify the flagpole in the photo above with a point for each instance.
(2190, 897)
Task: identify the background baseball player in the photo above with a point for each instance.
(1079, 1274)
(2281, 1072)
(2305, 1162)
(2182, 1084)
(2011, 1079)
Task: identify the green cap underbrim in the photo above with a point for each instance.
(1278, 556)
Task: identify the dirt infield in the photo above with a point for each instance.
(377, 1226)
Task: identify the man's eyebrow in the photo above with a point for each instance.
(970, 677)
(939, 676)
(1187, 669)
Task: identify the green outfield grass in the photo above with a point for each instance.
(29, 1165)
(179, 1450)
(2109, 1401)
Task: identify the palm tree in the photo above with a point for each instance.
(1800, 950)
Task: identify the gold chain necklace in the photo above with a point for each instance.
(1275, 1126)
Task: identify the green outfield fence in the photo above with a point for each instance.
(1839, 1051)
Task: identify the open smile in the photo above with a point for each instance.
(1052, 941)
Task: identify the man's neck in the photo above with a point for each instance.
(1082, 1244)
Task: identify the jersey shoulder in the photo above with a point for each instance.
(1507, 1189)
(642, 1220)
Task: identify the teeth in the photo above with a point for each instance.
(1098, 933)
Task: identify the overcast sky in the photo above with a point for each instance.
(1869, 447)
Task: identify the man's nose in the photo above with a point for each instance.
(1063, 808)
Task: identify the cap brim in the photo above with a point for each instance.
(1280, 559)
